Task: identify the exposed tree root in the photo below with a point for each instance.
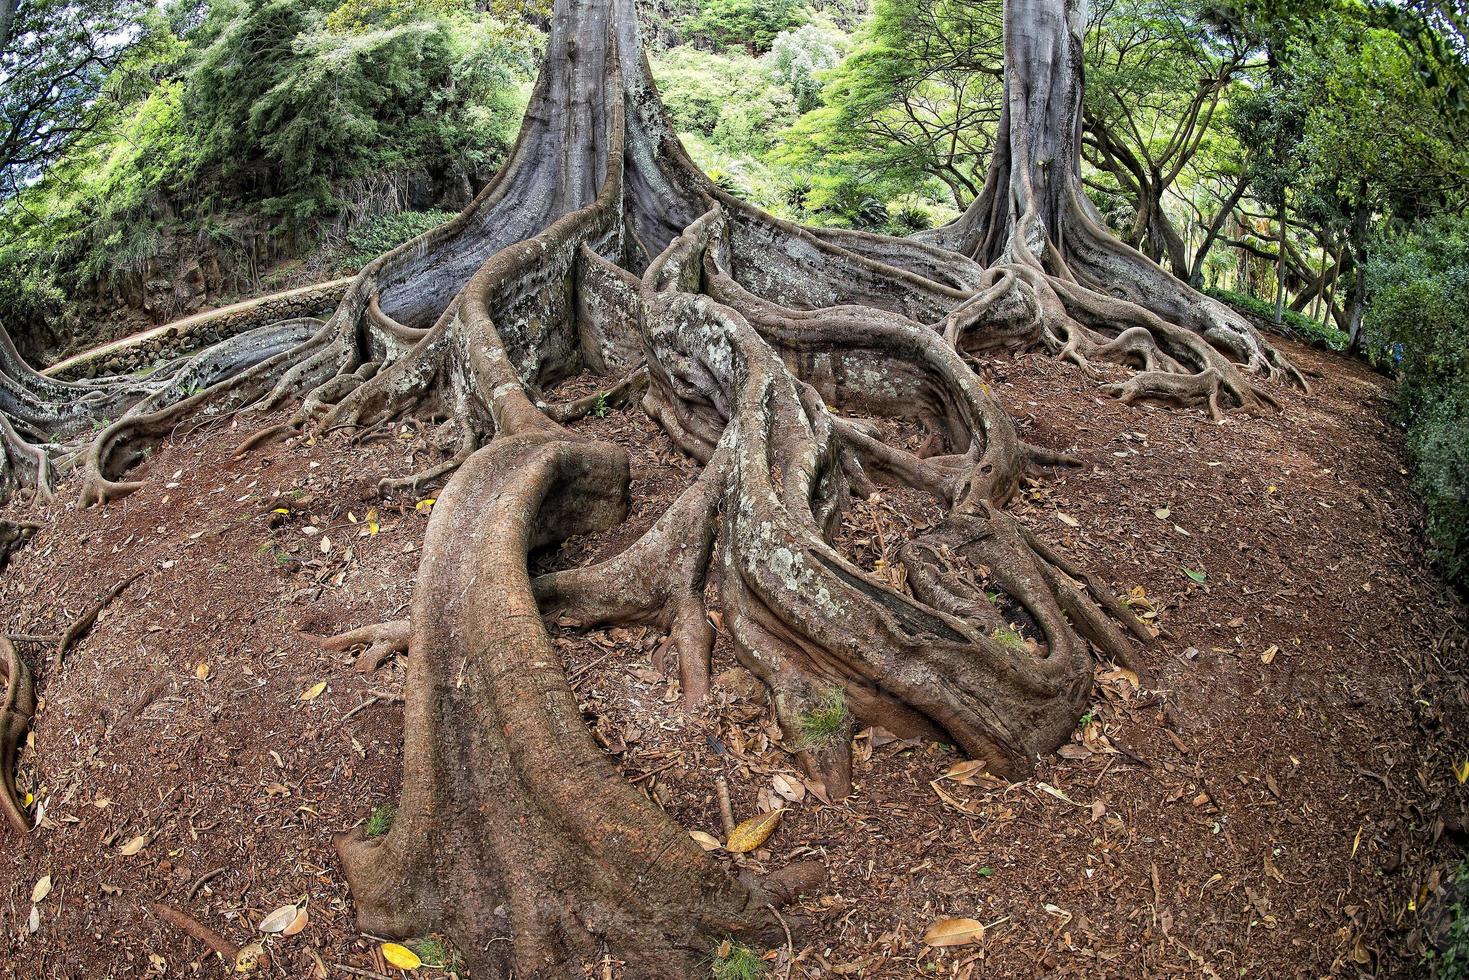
(14, 535)
(82, 623)
(512, 821)
(771, 354)
(191, 926)
(382, 641)
(16, 712)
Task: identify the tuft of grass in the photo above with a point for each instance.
(827, 720)
(436, 953)
(1009, 639)
(736, 961)
(381, 822)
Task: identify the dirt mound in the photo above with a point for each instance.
(1274, 795)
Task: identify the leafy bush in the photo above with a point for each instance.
(732, 99)
(387, 231)
(249, 130)
(752, 24)
(799, 57)
(1311, 331)
(1418, 324)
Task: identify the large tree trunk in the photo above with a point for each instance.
(761, 348)
(1033, 212)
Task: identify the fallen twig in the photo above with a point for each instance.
(192, 926)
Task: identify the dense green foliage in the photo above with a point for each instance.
(58, 58)
(265, 126)
(752, 24)
(1418, 322)
(1304, 328)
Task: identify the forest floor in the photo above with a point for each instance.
(1275, 796)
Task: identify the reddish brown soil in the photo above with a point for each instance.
(1278, 801)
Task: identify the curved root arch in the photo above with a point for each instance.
(764, 349)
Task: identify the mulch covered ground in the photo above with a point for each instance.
(1272, 794)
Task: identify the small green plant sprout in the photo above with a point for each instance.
(736, 961)
(826, 721)
(1010, 639)
(1086, 719)
(380, 823)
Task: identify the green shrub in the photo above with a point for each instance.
(826, 721)
(387, 231)
(736, 961)
(1417, 324)
(1303, 327)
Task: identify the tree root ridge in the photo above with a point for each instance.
(16, 711)
(803, 369)
(513, 823)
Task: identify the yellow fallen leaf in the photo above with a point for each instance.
(42, 889)
(751, 833)
(313, 692)
(425, 505)
(249, 958)
(1462, 771)
(278, 920)
(372, 527)
(280, 510)
(954, 932)
(1269, 655)
(401, 956)
(133, 846)
(202, 671)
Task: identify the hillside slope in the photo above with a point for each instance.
(1275, 801)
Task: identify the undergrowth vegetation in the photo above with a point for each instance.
(1418, 326)
(267, 129)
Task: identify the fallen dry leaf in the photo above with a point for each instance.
(313, 692)
(297, 924)
(751, 833)
(707, 841)
(278, 920)
(954, 932)
(401, 956)
(42, 889)
(133, 846)
(791, 789)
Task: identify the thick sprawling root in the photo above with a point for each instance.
(766, 351)
(658, 580)
(512, 821)
(16, 711)
(805, 620)
(380, 642)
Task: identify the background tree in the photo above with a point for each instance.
(917, 98)
(55, 56)
(1156, 75)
